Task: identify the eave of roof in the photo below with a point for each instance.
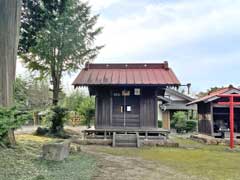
(165, 99)
(127, 74)
(177, 93)
(214, 95)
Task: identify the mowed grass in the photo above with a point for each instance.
(192, 158)
(24, 163)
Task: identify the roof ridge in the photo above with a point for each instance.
(163, 65)
(218, 90)
(152, 74)
(223, 89)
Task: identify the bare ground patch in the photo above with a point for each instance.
(111, 167)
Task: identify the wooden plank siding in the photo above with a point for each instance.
(147, 111)
(108, 108)
(148, 108)
(166, 120)
(103, 108)
(205, 125)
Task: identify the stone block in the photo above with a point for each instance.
(75, 148)
(160, 143)
(56, 151)
(93, 141)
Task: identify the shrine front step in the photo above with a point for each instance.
(125, 140)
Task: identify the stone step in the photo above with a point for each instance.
(130, 137)
(125, 140)
(126, 144)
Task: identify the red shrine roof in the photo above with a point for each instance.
(126, 74)
(215, 94)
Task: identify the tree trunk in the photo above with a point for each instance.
(9, 36)
(56, 90)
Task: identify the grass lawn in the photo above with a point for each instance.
(192, 158)
(23, 163)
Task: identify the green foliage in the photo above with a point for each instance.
(35, 14)
(23, 116)
(179, 121)
(30, 93)
(87, 109)
(191, 125)
(42, 131)
(181, 124)
(46, 118)
(10, 119)
(82, 105)
(208, 91)
(73, 100)
(64, 44)
(160, 124)
(38, 94)
(57, 117)
(20, 92)
(7, 120)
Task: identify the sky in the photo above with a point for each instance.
(199, 38)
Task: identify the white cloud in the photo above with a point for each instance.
(167, 25)
(101, 4)
(162, 29)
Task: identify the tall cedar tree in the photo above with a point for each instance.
(64, 44)
(34, 16)
(9, 36)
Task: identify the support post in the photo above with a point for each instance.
(84, 135)
(138, 139)
(114, 139)
(146, 135)
(231, 122)
(105, 134)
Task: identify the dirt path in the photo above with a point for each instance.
(112, 167)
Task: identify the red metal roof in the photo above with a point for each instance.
(126, 74)
(214, 94)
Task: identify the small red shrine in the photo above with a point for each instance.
(219, 113)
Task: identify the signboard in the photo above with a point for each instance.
(137, 91)
(125, 93)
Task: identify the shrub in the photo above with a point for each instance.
(41, 131)
(179, 121)
(23, 116)
(10, 119)
(73, 100)
(191, 125)
(57, 117)
(87, 110)
(160, 124)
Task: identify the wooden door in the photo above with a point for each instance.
(132, 111)
(117, 111)
(126, 111)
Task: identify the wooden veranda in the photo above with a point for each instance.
(144, 133)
